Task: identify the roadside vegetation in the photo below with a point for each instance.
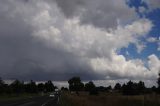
(20, 90)
(109, 99)
(88, 94)
(128, 94)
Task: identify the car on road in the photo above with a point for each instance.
(52, 95)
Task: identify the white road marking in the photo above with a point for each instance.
(58, 100)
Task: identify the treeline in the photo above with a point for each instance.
(19, 87)
(76, 85)
(129, 88)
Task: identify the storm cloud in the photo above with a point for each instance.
(58, 39)
(100, 13)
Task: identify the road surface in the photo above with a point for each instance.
(37, 101)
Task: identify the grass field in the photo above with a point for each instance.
(108, 99)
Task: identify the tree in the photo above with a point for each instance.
(153, 88)
(17, 87)
(89, 86)
(128, 89)
(158, 82)
(92, 89)
(41, 87)
(117, 86)
(140, 87)
(49, 87)
(109, 88)
(64, 89)
(75, 84)
(1, 82)
(101, 88)
(1, 86)
(133, 88)
(31, 87)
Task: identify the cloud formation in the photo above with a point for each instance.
(152, 4)
(154, 40)
(58, 39)
(100, 13)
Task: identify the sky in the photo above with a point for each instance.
(94, 39)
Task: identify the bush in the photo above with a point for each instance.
(93, 91)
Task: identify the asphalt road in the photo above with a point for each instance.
(37, 101)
